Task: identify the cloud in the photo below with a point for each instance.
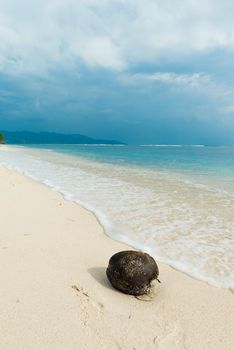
(94, 65)
(227, 109)
(100, 51)
(187, 80)
(115, 35)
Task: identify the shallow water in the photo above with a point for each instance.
(177, 203)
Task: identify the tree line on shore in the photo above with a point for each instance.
(2, 140)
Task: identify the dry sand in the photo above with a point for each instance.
(3, 147)
(54, 293)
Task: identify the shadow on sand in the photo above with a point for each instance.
(99, 274)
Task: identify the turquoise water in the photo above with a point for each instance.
(196, 159)
(175, 202)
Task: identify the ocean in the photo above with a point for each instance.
(175, 202)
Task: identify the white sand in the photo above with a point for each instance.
(3, 148)
(48, 245)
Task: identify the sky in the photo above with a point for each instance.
(138, 71)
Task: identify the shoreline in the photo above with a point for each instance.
(109, 228)
(56, 294)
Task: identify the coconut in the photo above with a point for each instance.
(132, 272)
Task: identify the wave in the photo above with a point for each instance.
(171, 217)
(169, 145)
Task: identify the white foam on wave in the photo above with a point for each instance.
(145, 209)
(170, 145)
(99, 144)
(160, 145)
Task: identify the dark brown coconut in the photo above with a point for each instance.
(132, 272)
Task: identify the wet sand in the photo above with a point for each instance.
(54, 293)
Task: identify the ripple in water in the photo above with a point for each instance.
(179, 220)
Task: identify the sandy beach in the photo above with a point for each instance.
(54, 293)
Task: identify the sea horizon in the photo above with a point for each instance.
(172, 201)
(117, 172)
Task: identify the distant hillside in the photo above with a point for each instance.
(27, 137)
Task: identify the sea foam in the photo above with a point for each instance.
(181, 219)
